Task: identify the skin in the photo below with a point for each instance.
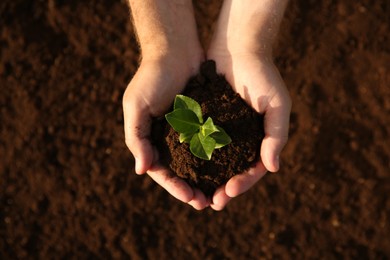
(247, 64)
(171, 54)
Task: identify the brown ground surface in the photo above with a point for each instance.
(67, 187)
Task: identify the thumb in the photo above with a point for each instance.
(143, 153)
(276, 122)
(137, 124)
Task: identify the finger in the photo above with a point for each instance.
(220, 199)
(177, 187)
(243, 182)
(276, 123)
(199, 200)
(137, 131)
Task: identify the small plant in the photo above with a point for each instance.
(186, 118)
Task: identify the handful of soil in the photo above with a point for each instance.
(229, 111)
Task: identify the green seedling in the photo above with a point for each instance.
(203, 137)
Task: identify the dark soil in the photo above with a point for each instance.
(67, 182)
(229, 111)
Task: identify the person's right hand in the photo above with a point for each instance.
(171, 54)
(150, 94)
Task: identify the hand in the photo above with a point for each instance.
(257, 80)
(171, 54)
(150, 94)
(242, 47)
(158, 80)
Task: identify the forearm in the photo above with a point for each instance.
(249, 25)
(163, 26)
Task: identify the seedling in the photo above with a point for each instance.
(186, 118)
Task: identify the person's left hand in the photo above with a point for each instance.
(257, 80)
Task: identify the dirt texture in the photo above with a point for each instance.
(229, 111)
(67, 182)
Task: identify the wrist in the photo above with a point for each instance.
(166, 51)
(182, 58)
(165, 27)
(245, 47)
(248, 26)
(178, 61)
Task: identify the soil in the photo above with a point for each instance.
(67, 182)
(229, 111)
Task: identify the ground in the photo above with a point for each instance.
(67, 184)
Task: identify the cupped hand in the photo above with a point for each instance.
(257, 80)
(150, 94)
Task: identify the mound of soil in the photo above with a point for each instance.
(229, 111)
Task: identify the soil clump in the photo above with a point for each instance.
(229, 111)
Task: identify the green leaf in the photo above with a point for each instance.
(221, 138)
(183, 120)
(185, 137)
(208, 127)
(188, 103)
(188, 121)
(202, 146)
